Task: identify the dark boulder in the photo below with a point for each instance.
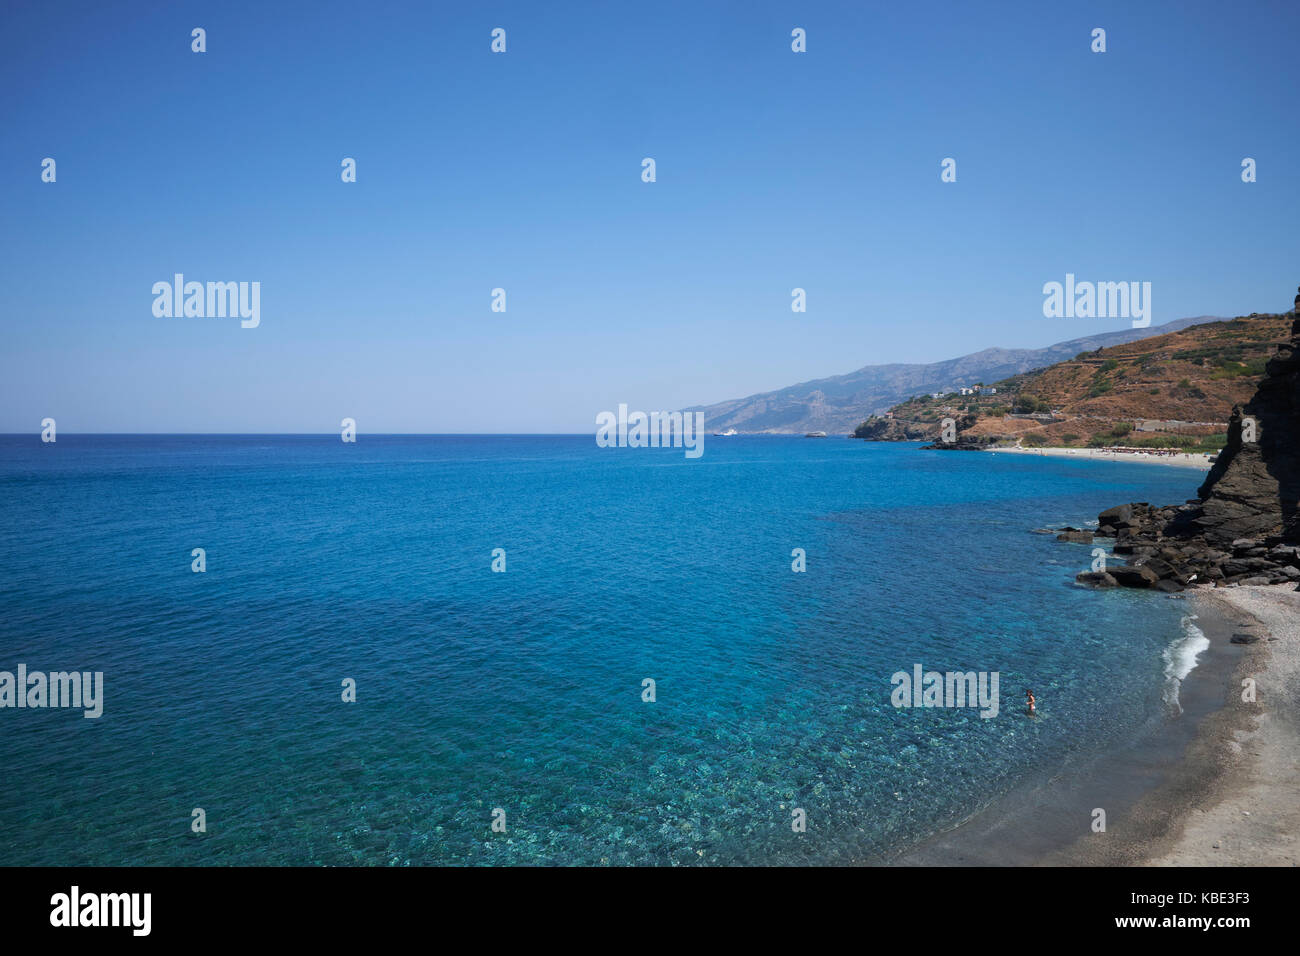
(1246, 566)
(1160, 568)
(1286, 554)
(1133, 577)
(1117, 517)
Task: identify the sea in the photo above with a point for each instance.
(531, 650)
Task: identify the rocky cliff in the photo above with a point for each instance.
(1254, 487)
(1244, 525)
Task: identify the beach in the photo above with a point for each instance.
(1251, 815)
(1231, 800)
(1181, 459)
(1218, 785)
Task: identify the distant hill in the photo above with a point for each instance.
(838, 404)
(1174, 388)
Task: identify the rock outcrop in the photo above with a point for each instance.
(973, 444)
(893, 429)
(1254, 488)
(1244, 525)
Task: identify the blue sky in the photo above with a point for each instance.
(523, 171)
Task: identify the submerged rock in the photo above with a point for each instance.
(1079, 537)
(1096, 579)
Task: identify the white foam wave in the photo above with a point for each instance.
(1180, 659)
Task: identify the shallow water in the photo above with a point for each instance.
(523, 690)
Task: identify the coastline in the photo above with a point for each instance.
(1181, 460)
(1251, 815)
(1216, 786)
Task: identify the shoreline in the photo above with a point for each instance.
(1218, 785)
(1250, 813)
(1180, 460)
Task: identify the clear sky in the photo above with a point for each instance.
(522, 170)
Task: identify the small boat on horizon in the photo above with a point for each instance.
(815, 435)
(727, 434)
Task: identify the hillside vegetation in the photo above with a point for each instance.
(838, 403)
(1186, 381)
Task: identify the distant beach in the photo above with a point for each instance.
(1181, 459)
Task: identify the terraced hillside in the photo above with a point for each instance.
(1172, 390)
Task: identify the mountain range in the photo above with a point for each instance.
(839, 403)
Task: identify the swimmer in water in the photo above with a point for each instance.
(1030, 702)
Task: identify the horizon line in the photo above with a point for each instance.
(335, 434)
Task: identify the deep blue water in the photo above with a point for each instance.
(522, 690)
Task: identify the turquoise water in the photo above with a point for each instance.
(522, 691)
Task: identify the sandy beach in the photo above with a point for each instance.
(1233, 798)
(1217, 786)
(1200, 461)
(1250, 816)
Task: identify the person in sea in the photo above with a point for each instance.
(1030, 702)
